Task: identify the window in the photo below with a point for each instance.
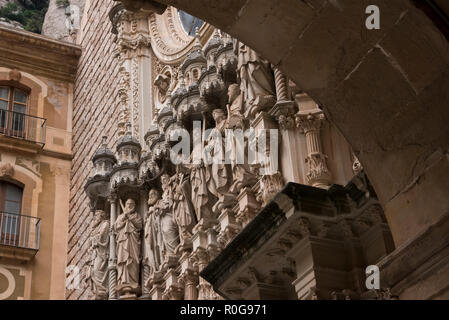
(10, 207)
(190, 23)
(13, 108)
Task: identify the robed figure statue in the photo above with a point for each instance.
(97, 275)
(128, 227)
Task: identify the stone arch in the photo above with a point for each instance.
(386, 90)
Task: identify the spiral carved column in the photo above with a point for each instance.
(280, 81)
(112, 254)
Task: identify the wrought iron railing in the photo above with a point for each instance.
(19, 231)
(23, 126)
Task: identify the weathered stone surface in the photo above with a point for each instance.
(56, 24)
(367, 81)
(95, 97)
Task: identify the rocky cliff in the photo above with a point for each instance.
(63, 19)
(23, 14)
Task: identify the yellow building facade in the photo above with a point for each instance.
(36, 94)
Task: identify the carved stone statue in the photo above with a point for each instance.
(219, 175)
(128, 227)
(168, 226)
(99, 241)
(152, 235)
(235, 108)
(183, 210)
(256, 78)
(201, 198)
(241, 169)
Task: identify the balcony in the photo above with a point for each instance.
(23, 126)
(19, 236)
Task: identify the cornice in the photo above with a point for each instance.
(38, 54)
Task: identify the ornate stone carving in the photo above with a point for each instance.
(135, 98)
(128, 227)
(123, 91)
(218, 174)
(270, 185)
(310, 124)
(168, 226)
(98, 267)
(256, 79)
(381, 294)
(6, 170)
(152, 235)
(15, 75)
(183, 210)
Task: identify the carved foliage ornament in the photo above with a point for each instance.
(6, 170)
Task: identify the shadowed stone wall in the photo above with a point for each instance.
(94, 115)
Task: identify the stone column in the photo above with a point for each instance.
(134, 54)
(112, 254)
(318, 174)
(284, 112)
(280, 81)
(146, 272)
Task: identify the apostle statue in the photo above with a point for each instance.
(183, 209)
(219, 175)
(200, 196)
(256, 79)
(242, 170)
(168, 226)
(128, 227)
(99, 245)
(152, 235)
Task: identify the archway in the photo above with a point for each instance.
(386, 90)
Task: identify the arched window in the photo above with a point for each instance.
(10, 210)
(13, 109)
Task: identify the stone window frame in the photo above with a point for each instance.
(13, 87)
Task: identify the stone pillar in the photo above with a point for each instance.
(134, 53)
(188, 277)
(112, 254)
(280, 81)
(318, 174)
(146, 271)
(284, 111)
(271, 181)
(205, 249)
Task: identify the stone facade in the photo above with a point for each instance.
(164, 79)
(95, 97)
(183, 216)
(35, 162)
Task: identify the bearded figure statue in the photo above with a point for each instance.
(168, 226)
(128, 227)
(152, 234)
(256, 79)
(99, 241)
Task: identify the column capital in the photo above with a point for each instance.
(309, 121)
(112, 197)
